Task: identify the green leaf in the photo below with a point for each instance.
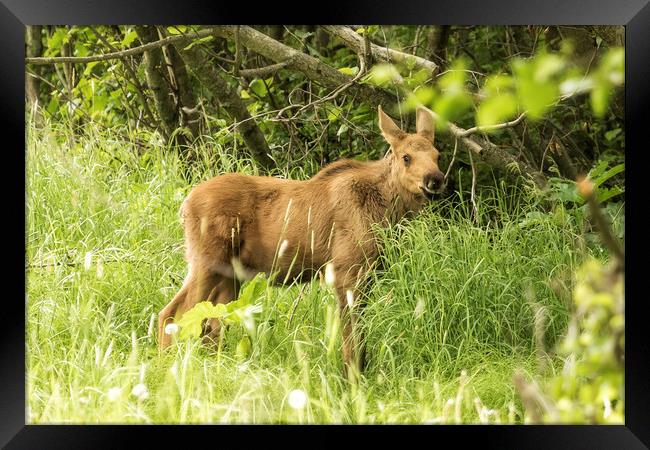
(600, 99)
(349, 70)
(89, 67)
(177, 29)
(258, 87)
(382, 74)
(252, 290)
(244, 94)
(191, 321)
(536, 92)
(333, 113)
(611, 134)
(497, 83)
(547, 65)
(607, 193)
(129, 38)
(496, 110)
(609, 174)
(243, 349)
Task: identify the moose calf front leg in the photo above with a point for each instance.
(348, 310)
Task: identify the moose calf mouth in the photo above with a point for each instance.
(429, 195)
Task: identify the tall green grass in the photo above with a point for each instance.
(451, 310)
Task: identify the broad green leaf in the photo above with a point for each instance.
(547, 65)
(609, 174)
(191, 322)
(496, 110)
(451, 105)
(607, 193)
(382, 74)
(129, 38)
(258, 87)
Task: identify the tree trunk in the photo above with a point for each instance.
(231, 102)
(33, 48)
(186, 99)
(437, 45)
(153, 67)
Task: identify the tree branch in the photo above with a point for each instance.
(134, 77)
(492, 154)
(356, 42)
(122, 53)
(263, 71)
(499, 126)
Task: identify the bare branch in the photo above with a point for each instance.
(123, 53)
(356, 42)
(263, 71)
(499, 126)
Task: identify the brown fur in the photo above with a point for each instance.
(325, 219)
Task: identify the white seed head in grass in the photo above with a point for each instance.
(171, 328)
(88, 260)
(330, 277)
(283, 248)
(114, 393)
(100, 269)
(349, 296)
(419, 308)
(140, 391)
(297, 399)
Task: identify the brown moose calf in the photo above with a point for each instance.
(244, 220)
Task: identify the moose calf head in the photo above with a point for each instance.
(414, 155)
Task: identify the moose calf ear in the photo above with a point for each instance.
(424, 124)
(389, 130)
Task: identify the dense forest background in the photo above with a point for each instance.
(308, 94)
(502, 302)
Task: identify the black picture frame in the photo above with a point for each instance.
(15, 14)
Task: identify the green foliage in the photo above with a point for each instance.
(590, 388)
(241, 311)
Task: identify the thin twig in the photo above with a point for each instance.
(453, 158)
(122, 53)
(135, 81)
(473, 192)
(499, 126)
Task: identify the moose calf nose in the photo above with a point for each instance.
(433, 180)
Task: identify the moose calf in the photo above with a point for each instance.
(244, 220)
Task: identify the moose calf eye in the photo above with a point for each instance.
(407, 159)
